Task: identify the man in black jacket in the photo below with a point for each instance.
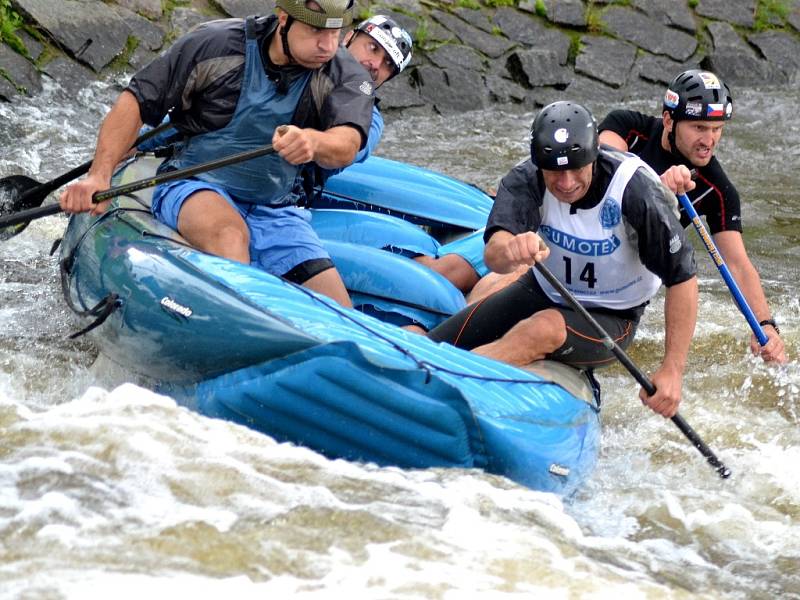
(696, 106)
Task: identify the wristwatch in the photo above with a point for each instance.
(770, 322)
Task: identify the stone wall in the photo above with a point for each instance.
(468, 55)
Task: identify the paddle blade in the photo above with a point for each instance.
(14, 198)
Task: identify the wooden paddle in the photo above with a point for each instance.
(25, 216)
(628, 363)
(19, 192)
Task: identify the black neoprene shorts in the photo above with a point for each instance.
(306, 270)
(489, 319)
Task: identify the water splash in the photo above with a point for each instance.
(108, 491)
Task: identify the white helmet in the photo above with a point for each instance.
(392, 38)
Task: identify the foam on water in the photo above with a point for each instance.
(129, 480)
(151, 471)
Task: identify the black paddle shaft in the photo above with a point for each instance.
(135, 186)
(634, 370)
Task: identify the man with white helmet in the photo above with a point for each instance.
(383, 48)
(235, 85)
(384, 51)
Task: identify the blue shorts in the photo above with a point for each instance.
(280, 238)
(470, 248)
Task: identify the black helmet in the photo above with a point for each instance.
(395, 40)
(564, 136)
(698, 96)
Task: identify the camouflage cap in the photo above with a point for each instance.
(323, 14)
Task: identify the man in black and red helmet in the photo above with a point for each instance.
(598, 219)
(696, 106)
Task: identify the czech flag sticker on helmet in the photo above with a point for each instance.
(671, 99)
(714, 110)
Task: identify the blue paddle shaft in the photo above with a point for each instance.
(723, 269)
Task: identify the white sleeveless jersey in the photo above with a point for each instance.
(592, 253)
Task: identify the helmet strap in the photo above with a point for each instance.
(671, 137)
(673, 148)
(672, 145)
(284, 33)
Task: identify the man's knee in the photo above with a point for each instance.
(233, 235)
(209, 223)
(545, 329)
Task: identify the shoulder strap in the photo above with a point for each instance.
(250, 27)
(625, 170)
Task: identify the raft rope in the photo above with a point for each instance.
(103, 309)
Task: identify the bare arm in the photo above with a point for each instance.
(117, 134)
(331, 149)
(680, 316)
(505, 251)
(609, 138)
(731, 245)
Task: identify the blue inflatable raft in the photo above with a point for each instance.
(419, 195)
(233, 342)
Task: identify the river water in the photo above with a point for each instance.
(108, 490)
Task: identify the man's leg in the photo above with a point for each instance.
(211, 224)
(487, 321)
(320, 275)
(519, 324)
(560, 334)
(452, 267)
(284, 244)
(583, 349)
(329, 283)
(529, 340)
